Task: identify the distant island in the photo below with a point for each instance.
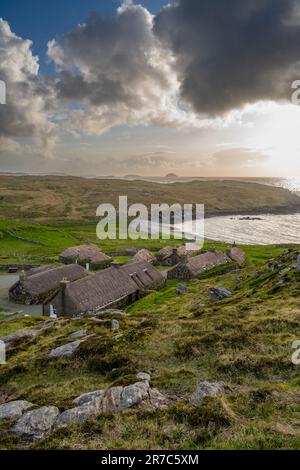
(171, 175)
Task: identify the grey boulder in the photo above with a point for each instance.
(79, 414)
(36, 424)
(14, 409)
(8, 340)
(207, 389)
(67, 350)
(78, 334)
(215, 294)
(133, 394)
(88, 397)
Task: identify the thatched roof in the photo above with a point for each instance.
(47, 280)
(145, 276)
(206, 261)
(165, 252)
(86, 253)
(145, 255)
(40, 269)
(106, 287)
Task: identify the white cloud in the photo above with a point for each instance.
(118, 73)
(25, 114)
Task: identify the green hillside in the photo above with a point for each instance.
(244, 341)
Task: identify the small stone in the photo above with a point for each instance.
(78, 334)
(88, 397)
(207, 389)
(14, 409)
(67, 350)
(8, 340)
(36, 424)
(181, 290)
(215, 294)
(143, 377)
(115, 325)
(134, 394)
(79, 414)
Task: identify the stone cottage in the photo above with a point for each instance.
(88, 256)
(169, 256)
(34, 286)
(190, 268)
(114, 287)
(145, 255)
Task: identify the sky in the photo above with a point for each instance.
(105, 87)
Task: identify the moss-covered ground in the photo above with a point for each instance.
(244, 341)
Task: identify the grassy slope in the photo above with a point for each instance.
(54, 239)
(244, 341)
(76, 199)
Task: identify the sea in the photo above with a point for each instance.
(263, 229)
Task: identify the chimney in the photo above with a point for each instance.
(23, 276)
(63, 285)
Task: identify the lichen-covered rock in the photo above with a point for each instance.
(157, 400)
(36, 424)
(88, 397)
(237, 255)
(78, 334)
(207, 389)
(67, 350)
(143, 377)
(14, 409)
(79, 414)
(8, 340)
(215, 294)
(133, 394)
(111, 401)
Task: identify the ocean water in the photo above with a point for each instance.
(259, 230)
(270, 229)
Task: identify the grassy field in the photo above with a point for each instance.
(64, 199)
(245, 341)
(43, 243)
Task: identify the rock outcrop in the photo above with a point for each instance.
(36, 424)
(14, 409)
(216, 294)
(67, 350)
(207, 389)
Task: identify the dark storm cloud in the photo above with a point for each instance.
(117, 67)
(233, 52)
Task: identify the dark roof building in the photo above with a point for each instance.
(145, 255)
(86, 255)
(36, 285)
(169, 256)
(196, 265)
(115, 287)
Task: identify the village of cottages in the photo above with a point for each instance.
(88, 281)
